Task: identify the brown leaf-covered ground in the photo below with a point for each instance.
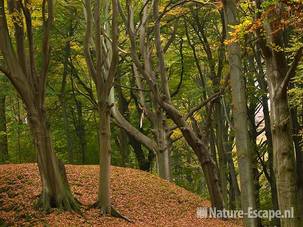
(144, 198)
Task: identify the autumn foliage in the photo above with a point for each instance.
(144, 198)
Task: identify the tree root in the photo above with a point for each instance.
(117, 214)
(113, 212)
(46, 202)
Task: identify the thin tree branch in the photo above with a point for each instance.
(47, 24)
(4, 71)
(88, 31)
(115, 51)
(131, 88)
(204, 103)
(182, 69)
(291, 71)
(171, 39)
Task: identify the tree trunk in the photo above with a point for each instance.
(239, 103)
(122, 134)
(164, 166)
(272, 180)
(31, 88)
(143, 162)
(253, 137)
(221, 150)
(81, 133)
(104, 201)
(278, 76)
(163, 154)
(283, 150)
(123, 143)
(212, 180)
(55, 189)
(263, 84)
(212, 144)
(19, 123)
(3, 130)
(299, 156)
(62, 99)
(205, 158)
(136, 139)
(69, 144)
(234, 186)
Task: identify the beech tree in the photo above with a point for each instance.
(279, 74)
(29, 79)
(103, 72)
(156, 79)
(208, 94)
(215, 64)
(161, 144)
(239, 102)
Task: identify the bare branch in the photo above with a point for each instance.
(123, 123)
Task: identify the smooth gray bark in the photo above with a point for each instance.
(239, 102)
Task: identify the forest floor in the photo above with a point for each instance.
(144, 198)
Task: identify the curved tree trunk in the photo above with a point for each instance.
(31, 87)
(205, 158)
(212, 180)
(144, 163)
(137, 136)
(55, 189)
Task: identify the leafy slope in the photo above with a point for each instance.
(144, 198)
